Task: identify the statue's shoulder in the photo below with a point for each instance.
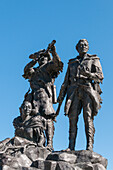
(93, 56)
(72, 60)
(17, 119)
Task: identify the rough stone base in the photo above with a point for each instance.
(21, 154)
(78, 160)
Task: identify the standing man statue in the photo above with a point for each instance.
(81, 85)
(41, 79)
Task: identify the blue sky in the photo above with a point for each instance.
(27, 26)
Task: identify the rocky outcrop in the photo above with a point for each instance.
(21, 154)
(75, 160)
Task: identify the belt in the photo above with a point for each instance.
(82, 82)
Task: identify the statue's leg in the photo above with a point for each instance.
(88, 120)
(41, 140)
(73, 119)
(40, 136)
(29, 134)
(49, 133)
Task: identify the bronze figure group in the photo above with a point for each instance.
(80, 86)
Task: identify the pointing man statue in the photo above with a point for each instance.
(41, 79)
(81, 85)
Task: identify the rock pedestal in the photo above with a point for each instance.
(78, 160)
(21, 154)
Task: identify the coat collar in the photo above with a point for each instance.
(87, 57)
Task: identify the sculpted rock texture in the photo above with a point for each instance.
(21, 154)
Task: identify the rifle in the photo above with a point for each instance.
(58, 109)
(37, 54)
(50, 46)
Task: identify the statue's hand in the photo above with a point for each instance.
(54, 119)
(84, 71)
(60, 99)
(52, 49)
(35, 59)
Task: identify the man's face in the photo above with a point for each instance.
(83, 47)
(26, 109)
(43, 60)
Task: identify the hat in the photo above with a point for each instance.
(39, 54)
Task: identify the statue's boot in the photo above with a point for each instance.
(49, 134)
(90, 138)
(50, 142)
(89, 144)
(72, 138)
(41, 141)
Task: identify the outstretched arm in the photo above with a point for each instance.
(56, 64)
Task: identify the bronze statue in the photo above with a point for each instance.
(29, 126)
(81, 85)
(41, 79)
(32, 145)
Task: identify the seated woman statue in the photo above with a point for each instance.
(29, 125)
